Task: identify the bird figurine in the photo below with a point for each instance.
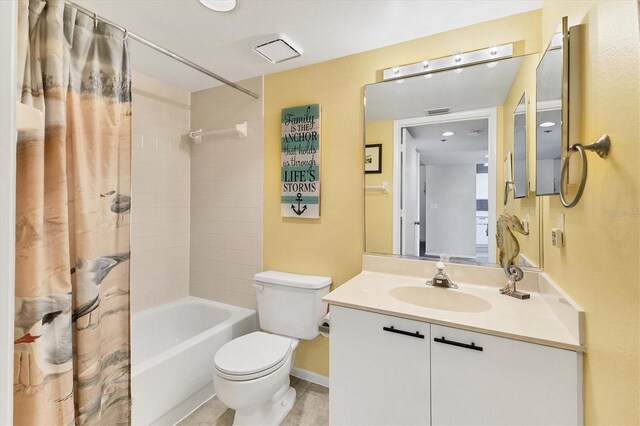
(89, 276)
(120, 205)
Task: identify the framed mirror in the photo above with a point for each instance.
(549, 118)
(443, 141)
(520, 175)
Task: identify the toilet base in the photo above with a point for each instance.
(271, 412)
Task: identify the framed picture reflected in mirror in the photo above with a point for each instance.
(373, 158)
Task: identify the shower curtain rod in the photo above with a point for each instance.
(162, 50)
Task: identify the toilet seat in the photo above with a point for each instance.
(253, 356)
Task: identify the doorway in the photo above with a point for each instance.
(444, 202)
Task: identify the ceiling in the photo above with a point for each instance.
(428, 137)
(476, 87)
(549, 139)
(461, 148)
(324, 29)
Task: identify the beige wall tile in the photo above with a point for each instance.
(160, 230)
(226, 197)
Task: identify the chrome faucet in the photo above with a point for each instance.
(442, 278)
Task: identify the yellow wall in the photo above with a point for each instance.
(525, 81)
(378, 212)
(333, 244)
(598, 266)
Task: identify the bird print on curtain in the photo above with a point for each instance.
(72, 348)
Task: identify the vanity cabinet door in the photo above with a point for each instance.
(482, 379)
(378, 376)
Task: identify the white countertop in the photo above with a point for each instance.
(530, 320)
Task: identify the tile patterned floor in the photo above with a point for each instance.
(311, 408)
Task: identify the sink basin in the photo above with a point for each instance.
(443, 299)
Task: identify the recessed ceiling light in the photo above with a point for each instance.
(547, 124)
(449, 133)
(219, 5)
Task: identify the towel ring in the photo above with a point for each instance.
(600, 147)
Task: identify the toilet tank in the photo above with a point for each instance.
(291, 304)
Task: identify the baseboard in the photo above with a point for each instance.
(310, 376)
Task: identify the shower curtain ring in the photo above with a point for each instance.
(126, 35)
(95, 20)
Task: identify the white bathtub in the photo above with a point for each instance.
(172, 352)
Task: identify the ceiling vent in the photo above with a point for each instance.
(277, 48)
(437, 111)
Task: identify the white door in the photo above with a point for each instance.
(410, 196)
(417, 196)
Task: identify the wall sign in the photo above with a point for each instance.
(300, 175)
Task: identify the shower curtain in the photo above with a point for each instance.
(72, 357)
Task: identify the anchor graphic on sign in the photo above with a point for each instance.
(298, 211)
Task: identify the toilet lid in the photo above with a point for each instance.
(252, 354)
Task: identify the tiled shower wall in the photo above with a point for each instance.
(160, 193)
(226, 196)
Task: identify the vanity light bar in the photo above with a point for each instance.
(449, 62)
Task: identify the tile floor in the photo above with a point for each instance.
(311, 408)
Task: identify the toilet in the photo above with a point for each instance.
(251, 373)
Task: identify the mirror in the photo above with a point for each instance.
(443, 138)
(549, 118)
(520, 181)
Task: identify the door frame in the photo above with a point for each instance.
(399, 169)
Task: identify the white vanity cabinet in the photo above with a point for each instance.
(446, 377)
(379, 376)
(481, 379)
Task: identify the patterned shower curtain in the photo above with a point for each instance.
(72, 357)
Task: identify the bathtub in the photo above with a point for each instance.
(172, 352)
